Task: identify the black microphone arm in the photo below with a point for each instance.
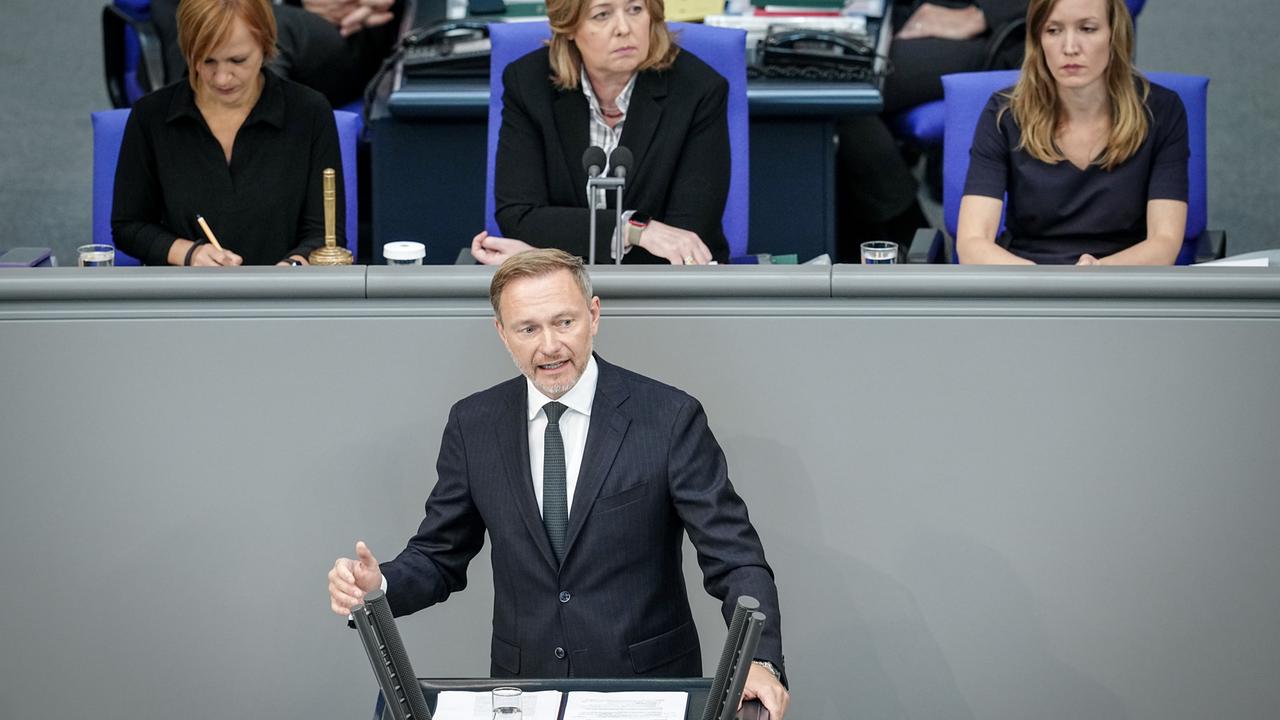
(381, 638)
(620, 162)
(735, 661)
(593, 161)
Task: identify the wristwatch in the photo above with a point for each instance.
(777, 674)
(636, 225)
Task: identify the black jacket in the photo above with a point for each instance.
(676, 127)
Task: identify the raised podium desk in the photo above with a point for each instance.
(429, 144)
(995, 493)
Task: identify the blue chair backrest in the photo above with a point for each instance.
(966, 94)
(141, 10)
(1135, 7)
(108, 132)
(721, 48)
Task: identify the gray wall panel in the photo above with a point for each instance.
(988, 516)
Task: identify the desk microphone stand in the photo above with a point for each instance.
(605, 183)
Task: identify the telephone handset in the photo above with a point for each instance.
(456, 48)
(818, 49)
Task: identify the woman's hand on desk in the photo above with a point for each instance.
(185, 252)
(491, 250)
(678, 247)
(207, 255)
(936, 21)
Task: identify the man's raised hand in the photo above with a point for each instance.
(350, 580)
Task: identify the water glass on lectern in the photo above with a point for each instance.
(879, 252)
(96, 255)
(506, 703)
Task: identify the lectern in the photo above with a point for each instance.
(709, 698)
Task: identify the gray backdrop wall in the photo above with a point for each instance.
(51, 53)
(986, 494)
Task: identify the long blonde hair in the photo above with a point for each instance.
(566, 62)
(1034, 100)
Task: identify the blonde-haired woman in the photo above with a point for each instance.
(612, 76)
(1093, 157)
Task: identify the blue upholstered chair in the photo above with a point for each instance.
(108, 132)
(721, 48)
(131, 54)
(923, 125)
(967, 94)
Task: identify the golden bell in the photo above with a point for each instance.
(330, 253)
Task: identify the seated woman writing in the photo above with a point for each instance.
(612, 76)
(231, 142)
(1092, 155)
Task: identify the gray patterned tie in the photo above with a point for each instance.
(555, 495)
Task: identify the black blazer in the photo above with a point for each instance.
(266, 205)
(676, 127)
(617, 606)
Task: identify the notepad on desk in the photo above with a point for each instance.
(464, 705)
(626, 706)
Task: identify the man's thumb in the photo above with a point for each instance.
(364, 555)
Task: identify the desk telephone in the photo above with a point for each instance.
(458, 48)
(816, 54)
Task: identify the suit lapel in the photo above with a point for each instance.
(643, 115)
(513, 439)
(604, 436)
(573, 120)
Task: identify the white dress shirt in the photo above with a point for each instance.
(601, 135)
(574, 424)
(606, 138)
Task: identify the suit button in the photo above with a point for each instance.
(559, 653)
(564, 596)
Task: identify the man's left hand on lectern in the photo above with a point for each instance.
(763, 686)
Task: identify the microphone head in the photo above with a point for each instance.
(593, 160)
(620, 161)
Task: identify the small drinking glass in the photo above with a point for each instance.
(96, 255)
(879, 252)
(506, 703)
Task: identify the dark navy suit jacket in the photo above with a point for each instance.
(617, 606)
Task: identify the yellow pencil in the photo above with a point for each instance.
(207, 232)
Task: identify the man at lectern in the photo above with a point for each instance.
(585, 477)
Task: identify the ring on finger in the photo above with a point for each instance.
(688, 259)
